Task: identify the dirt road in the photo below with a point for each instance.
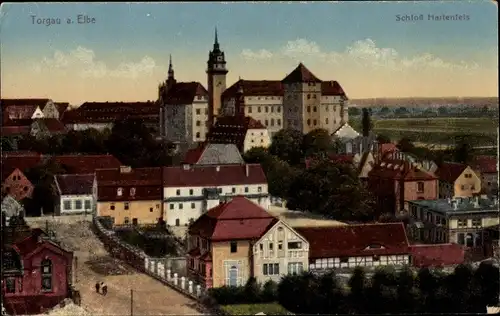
(150, 297)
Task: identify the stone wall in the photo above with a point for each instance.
(170, 271)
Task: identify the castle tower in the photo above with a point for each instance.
(239, 106)
(171, 78)
(216, 75)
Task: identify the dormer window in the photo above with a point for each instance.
(119, 192)
(132, 191)
(374, 246)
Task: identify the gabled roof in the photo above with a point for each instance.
(53, 125)
(15, 130)
(437, 255)
(183, 93)
(346, 132)
(450, 171)
(61, 107)
(207, 176)
(24, 102)
(214, 154)
(139, 184)
(85, 164)
(332, 88)
(108, 112)
(17, 122)
(232, 130)
(31, 244)
(355, 240)
(300, 74)
(238, 219)
(486, 164)
(75, 184)
(400, 170)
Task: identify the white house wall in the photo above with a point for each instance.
(279, 234)
(256, 138)
(359, 261)
(191, 203)
(37, 114)
(72, 200)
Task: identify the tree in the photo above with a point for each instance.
(405, 145)
(287, 146)
(488, 278)
(366, 122)
(384, 111)
(252, 290)
(7, 144)
(383, 139)
(462, 150)
(401, 111)
(270, 291)
(381, 294)
(406, 294)
(317, 141)
(442, 111)
(331, 189)
(353, 111)
(357, 284)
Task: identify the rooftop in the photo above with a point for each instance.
(460, 205)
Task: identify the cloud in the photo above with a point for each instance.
(364, 53)
(83, 62)
(260, 54)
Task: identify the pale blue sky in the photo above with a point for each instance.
(126, 33)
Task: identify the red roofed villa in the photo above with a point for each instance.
(457, 180)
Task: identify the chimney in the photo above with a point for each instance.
(217, 168)
(476, 202)
(454, 204)
(125, 169)
(247, 170)
(449, 201)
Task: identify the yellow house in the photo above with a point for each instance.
(220, 242)
(457, 180)
(129, 196)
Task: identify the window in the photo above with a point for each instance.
(233, 190)
(271, 246)
(271, 269)
(119, 192)
(315, 122)
(198, 123)
(462, 187)
(198, 135)
(126, 220)
(326, 120)
(420, 187)
(259, 189)
(261, 247)
(308, 122)
(246, 189)
(10, 285)
(266, 108)
(272, 109)
(295, 268)
(112, 207)
(259, 109)
(326, 108)
(132, 192)
(177, 222)
(193, 205)
(462, 223)
(376, 258)
(472, 187)
(67, 205)
(308, 97)
(178, 192)
(278, 122)
(150, 209)
(78, 204)
(181, 206)
(461, 239)
(234, 246)
(344, 260)
(476, 222)
(308, 109)
(294, 245)
(249, 109)
(126, 206)
(46, 267)
(272, 122)
(278, 109)
(315, 109)
(87, 204)
(171, 206)
(267, 123)
(280, 245)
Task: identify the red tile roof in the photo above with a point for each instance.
(355, 240)
(85, 164)
(275, 88)
(238, 219)
(437, 255)
(30, 243)
(18, 111)
(399, 169)
(486, 164)
(387, 148)
(108, 112)
(17, 122)
(450, 171)
(136, 184)
(185, 93)
(15, 130)
(232, 130)
(206, 176)
(193, 155)
(23, 162)
(61, 107)
(22, 102)
(75, 184)
(53, 125)
(300, 74)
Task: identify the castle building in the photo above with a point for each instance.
(300, 101)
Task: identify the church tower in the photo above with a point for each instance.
(216, 73)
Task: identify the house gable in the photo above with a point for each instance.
(49, 246)
(290, 234)
(50, 110)
(38, 113)
(17, 185)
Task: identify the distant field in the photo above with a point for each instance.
(481, 131)
(253, 309)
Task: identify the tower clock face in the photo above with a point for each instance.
(219, 83)
(219, 58)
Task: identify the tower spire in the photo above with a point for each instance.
(170, 68)
(216, 41)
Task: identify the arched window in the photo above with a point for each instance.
(46, 267)
(119, 192)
